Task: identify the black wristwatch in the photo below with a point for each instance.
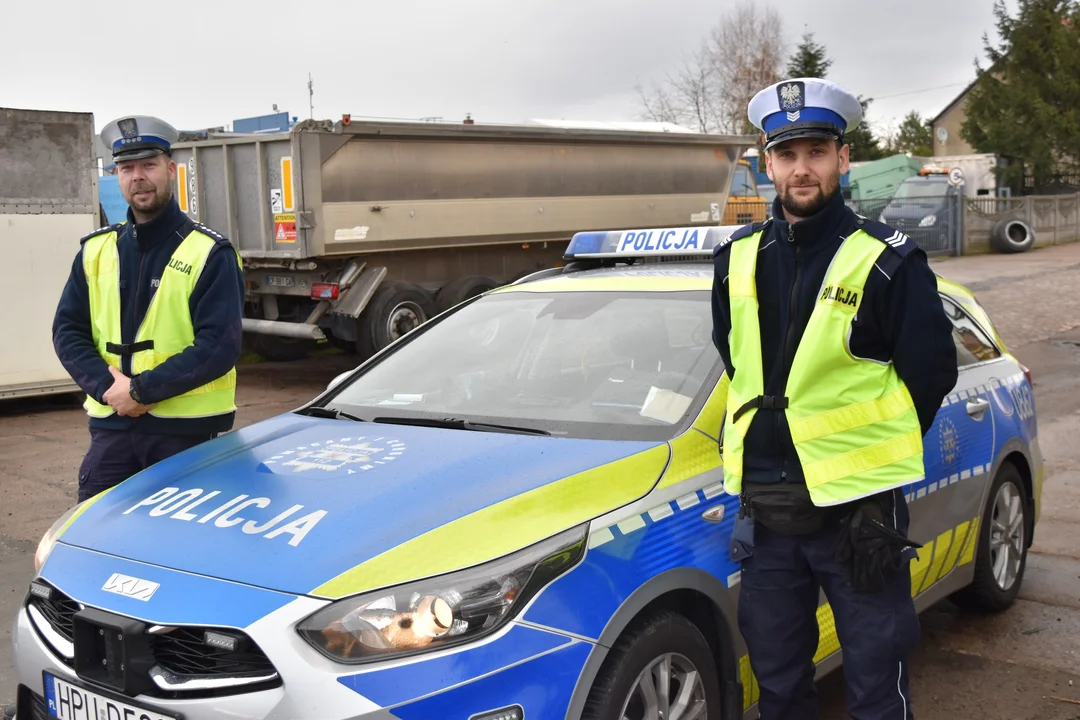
(134, 390)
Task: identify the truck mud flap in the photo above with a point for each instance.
(355, 299)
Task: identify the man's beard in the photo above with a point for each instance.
(154, 204)
(810, 206)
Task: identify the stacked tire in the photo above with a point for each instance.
(1012, 235)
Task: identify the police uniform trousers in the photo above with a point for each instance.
(116, 455)
(777, 608)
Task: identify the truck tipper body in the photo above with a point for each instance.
(358, 232)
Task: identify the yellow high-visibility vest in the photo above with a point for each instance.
(166, 330)
(852, 420)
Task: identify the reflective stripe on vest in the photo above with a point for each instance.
(167, 323)
(852, 420)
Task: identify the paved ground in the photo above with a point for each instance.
(1022, 664)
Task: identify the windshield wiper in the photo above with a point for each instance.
(325, 412)
(459, 424)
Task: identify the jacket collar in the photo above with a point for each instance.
(163, 225)
(810, 232)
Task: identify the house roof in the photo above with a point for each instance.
(954, 102)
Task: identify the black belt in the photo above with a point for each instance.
(129, 348)
(761, 402)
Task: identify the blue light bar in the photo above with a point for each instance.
(648, 243)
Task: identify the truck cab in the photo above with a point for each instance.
(744, 204)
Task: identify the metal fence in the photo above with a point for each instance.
(1054, 219)
(951, 224)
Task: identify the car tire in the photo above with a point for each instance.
(395, 309)
(987, 591)
(461, 289)
(665, 642)
(1012, 235)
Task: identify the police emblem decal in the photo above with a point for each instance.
(948, 442)
(348, 455)
(792, 96)
(129, 127)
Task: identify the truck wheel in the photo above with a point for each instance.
(1001, 555)
(462, 289)
(395, 309)
(663, 668)
(1012, 235)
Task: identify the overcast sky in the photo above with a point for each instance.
(205, 63)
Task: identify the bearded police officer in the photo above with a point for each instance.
(149, 323)
(839, 354)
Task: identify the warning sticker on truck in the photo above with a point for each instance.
(285, 227)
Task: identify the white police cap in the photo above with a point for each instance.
(804, 107)
(138, 136)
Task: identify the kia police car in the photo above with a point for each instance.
(515, 511)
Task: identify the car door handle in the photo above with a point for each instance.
(977, 406)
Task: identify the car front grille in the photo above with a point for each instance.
(184, 664)
(184, 653)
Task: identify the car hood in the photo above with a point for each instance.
(333, 507)
(911, 209)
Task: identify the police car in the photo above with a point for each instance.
(515, 511)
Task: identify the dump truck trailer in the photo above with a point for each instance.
(48, 201)
(359, 231)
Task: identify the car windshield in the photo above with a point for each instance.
(609, 364)
(922, 189)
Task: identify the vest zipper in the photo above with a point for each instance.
(788, 338)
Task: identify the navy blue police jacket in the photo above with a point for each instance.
(216, 305)
(901, 320)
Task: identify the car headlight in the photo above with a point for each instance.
(440, 612)
(48, 540)
(928, 221)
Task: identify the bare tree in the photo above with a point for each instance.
(685, 98)
(743, 53)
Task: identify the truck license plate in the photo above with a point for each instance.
(279, 281)
(71, 702)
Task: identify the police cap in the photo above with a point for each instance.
(138, 136)
(804, 107)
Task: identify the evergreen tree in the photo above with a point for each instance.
(914, 136)
(1026, 104)
(864, 146)
(809, 59)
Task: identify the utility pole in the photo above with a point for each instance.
(311, 96)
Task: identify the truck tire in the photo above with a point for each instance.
(462, 289)
(394, 310)
(1012, 235)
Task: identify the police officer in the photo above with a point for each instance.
(839, 354)
(149, 323)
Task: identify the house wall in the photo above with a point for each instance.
(951, 120)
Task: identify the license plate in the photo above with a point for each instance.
(279, 281)
(66, 701)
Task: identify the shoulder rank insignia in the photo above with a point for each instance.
(211, 232)
(101, 231)
(744, 231)
(896, 240)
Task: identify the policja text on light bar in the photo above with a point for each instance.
(650, 242)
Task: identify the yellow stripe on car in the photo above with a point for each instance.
(506, 526)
